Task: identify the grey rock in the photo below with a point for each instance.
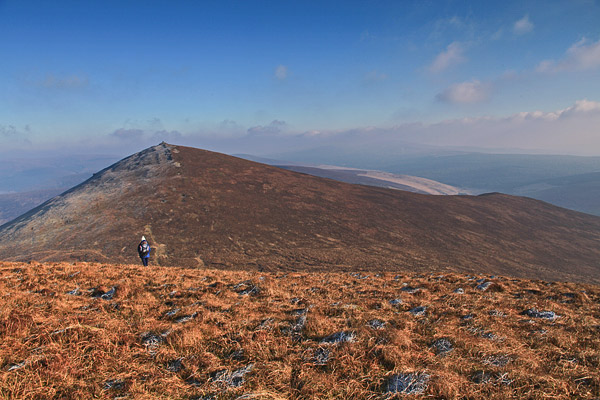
(497, 361)
(321, 356)
(376, 324)
(410, 289)
(339, 337)
(175, 365)
(172, 312)
(396, 302)
(186, 318)
(459, 291)
(483, 286)
(534, 313)
(410, 383)
(74, 292)
(110, 294)
(418, 311)
(442, 346)
(231, 379)
(481, 377)
(114, 384)
(14, 367)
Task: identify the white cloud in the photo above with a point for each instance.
(523, 26)
(281, 72)
(466, 93)
(453, 55)
(581, 56)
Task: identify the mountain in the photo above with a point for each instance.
(200, 208)
(566, 181)
(364, 177)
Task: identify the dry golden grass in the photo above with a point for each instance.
(58, 345)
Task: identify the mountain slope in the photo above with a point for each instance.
(200, 208)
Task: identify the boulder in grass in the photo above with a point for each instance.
(410, 383)
(418, 311)
(534, 313)
(395, 302)
(339, 337)
(231, 379)
(442, 346)
(321, 356)
(483, 286)
(110, 294)
(114, 384)
(376, 324)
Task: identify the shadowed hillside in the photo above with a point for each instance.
(200, 208)
(83, 331)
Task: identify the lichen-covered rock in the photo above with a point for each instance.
(442, 346)
(339, 337)
(231, 379)
(534, 313)
(410, 383)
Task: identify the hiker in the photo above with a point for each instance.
(144, 251)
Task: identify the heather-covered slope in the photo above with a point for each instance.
(79, 331)
(200, 208)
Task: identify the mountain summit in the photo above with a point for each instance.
(199, 208)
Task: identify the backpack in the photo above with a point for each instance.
(143, 249)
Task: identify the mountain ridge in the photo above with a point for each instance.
(200, 208)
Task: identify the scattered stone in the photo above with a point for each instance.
(483, 286)
(175, 365)
(299, 325)
(300, 311)
(459, 291)
(339, 337)
(237, 355)
(231, 379)
(497, 361)
(14, 367)
(109, 295)
(468, 317)
(266, 323)
(74, 292)
(481, 377)
(376, 324)
(442, 346)
(186, 318)
(295, 300)
(534, 313)
(396, 302)
(495, 313)
(152, 341)
(410, 289)
(114, 384)
(321, 356)
(172, 312)
(96, 292)
(418, 311)
(357, 275)
(407, 383)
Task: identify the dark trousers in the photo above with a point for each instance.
(145, 261)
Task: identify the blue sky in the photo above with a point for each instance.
(115, 76)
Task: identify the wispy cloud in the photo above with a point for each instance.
(375, 76)
(523, 26)
(582, 55)
(274, 128)
(281, 72)
(65, 82)
(466, 93)
(453, 55)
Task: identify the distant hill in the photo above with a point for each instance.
(200, 208)
(567, 181)
(14, 204)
